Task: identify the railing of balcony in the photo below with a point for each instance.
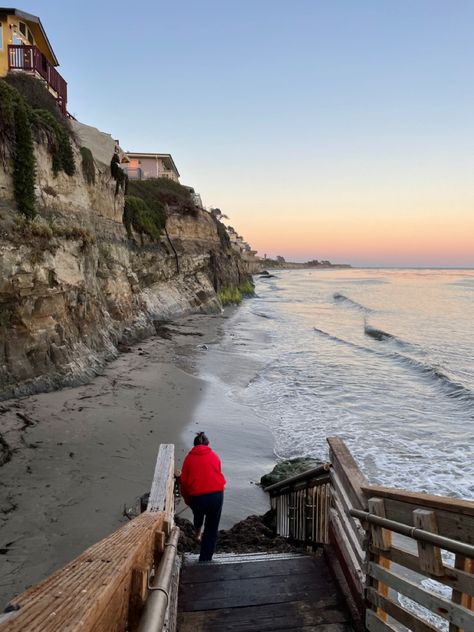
(31, 59)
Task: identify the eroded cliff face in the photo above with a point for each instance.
(73, 288)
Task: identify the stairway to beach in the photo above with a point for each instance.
(260, 592)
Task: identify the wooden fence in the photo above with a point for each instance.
(420, 570)
(30, 59)
(105, 588)
(406, 560)
(301, 505)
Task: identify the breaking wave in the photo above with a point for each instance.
(451, 387)
(342, 298)
(384, 336)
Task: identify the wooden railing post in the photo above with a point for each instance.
(467, 565)
(382, 539)
(430, 555)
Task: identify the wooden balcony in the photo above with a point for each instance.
(30, 59)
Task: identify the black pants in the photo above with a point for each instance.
(208, 507)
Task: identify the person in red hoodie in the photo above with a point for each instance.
(202, 487)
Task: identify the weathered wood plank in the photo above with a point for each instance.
(454, 613)
(349, 533)
(93, 592)
(344, 546)
(247, 570)
(375, 624)
(411, 621)
(339, 492)
(263, 618)
(80, 592)
(452, 577)
(429, 555)
(348, 471)
(253, 591)
(382, 539)
(463, 597)
(163, 478)
(457, 526)
(444, 503)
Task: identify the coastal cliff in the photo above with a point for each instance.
(75, 285)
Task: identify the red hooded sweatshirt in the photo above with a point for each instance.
(201, 473)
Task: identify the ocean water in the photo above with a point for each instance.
(382, 358)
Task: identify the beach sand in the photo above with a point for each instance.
(79, 455)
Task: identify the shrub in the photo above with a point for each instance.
(59, 141)
(234, 295)
(72, 232)
(247, 288)
(8, 100)
(24, 169)
(28, 229)
(137, 215)
(36, 95)
(119, 175)
(165, 192)
(230, 296)
(88, 165)
(20, 116)
(222, 232)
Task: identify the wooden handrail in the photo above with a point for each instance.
(29, 58)
(457, 505)
(434, 523)
(105, 588)
(157, 603)
(417, 534)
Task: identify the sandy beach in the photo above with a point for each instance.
(81, 454)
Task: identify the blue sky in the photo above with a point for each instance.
(336, 129)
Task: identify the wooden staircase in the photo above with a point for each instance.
(259, 592)
(400, 558)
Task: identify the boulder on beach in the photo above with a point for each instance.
(288, 468)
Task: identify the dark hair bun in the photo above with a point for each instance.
(201, 439)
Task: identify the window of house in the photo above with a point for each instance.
(30, 37)
(1, 36)
(23, 28)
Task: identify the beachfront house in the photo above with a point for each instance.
(25, 47)
(143, 166)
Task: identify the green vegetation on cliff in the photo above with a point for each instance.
(164, 192)
(88, 166)
(137, 215)
(147, 202)
(27, 113)
(234, 295)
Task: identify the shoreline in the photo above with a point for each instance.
(80, 454)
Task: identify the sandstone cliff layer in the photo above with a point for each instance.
(73, 287)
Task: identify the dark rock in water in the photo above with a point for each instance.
(252, 535)
(286, 469)
(377, 334)
(5, 451)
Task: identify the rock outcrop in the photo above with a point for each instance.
(73, 287)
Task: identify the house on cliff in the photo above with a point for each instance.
(146, 166)
(143, 166)
(25, 47)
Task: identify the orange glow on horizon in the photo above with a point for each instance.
(372, 238)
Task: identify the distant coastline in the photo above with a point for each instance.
(276, 264)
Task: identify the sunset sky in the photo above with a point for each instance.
(335, 129)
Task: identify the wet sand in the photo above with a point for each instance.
(81, 454)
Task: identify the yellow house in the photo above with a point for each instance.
(25, 47)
